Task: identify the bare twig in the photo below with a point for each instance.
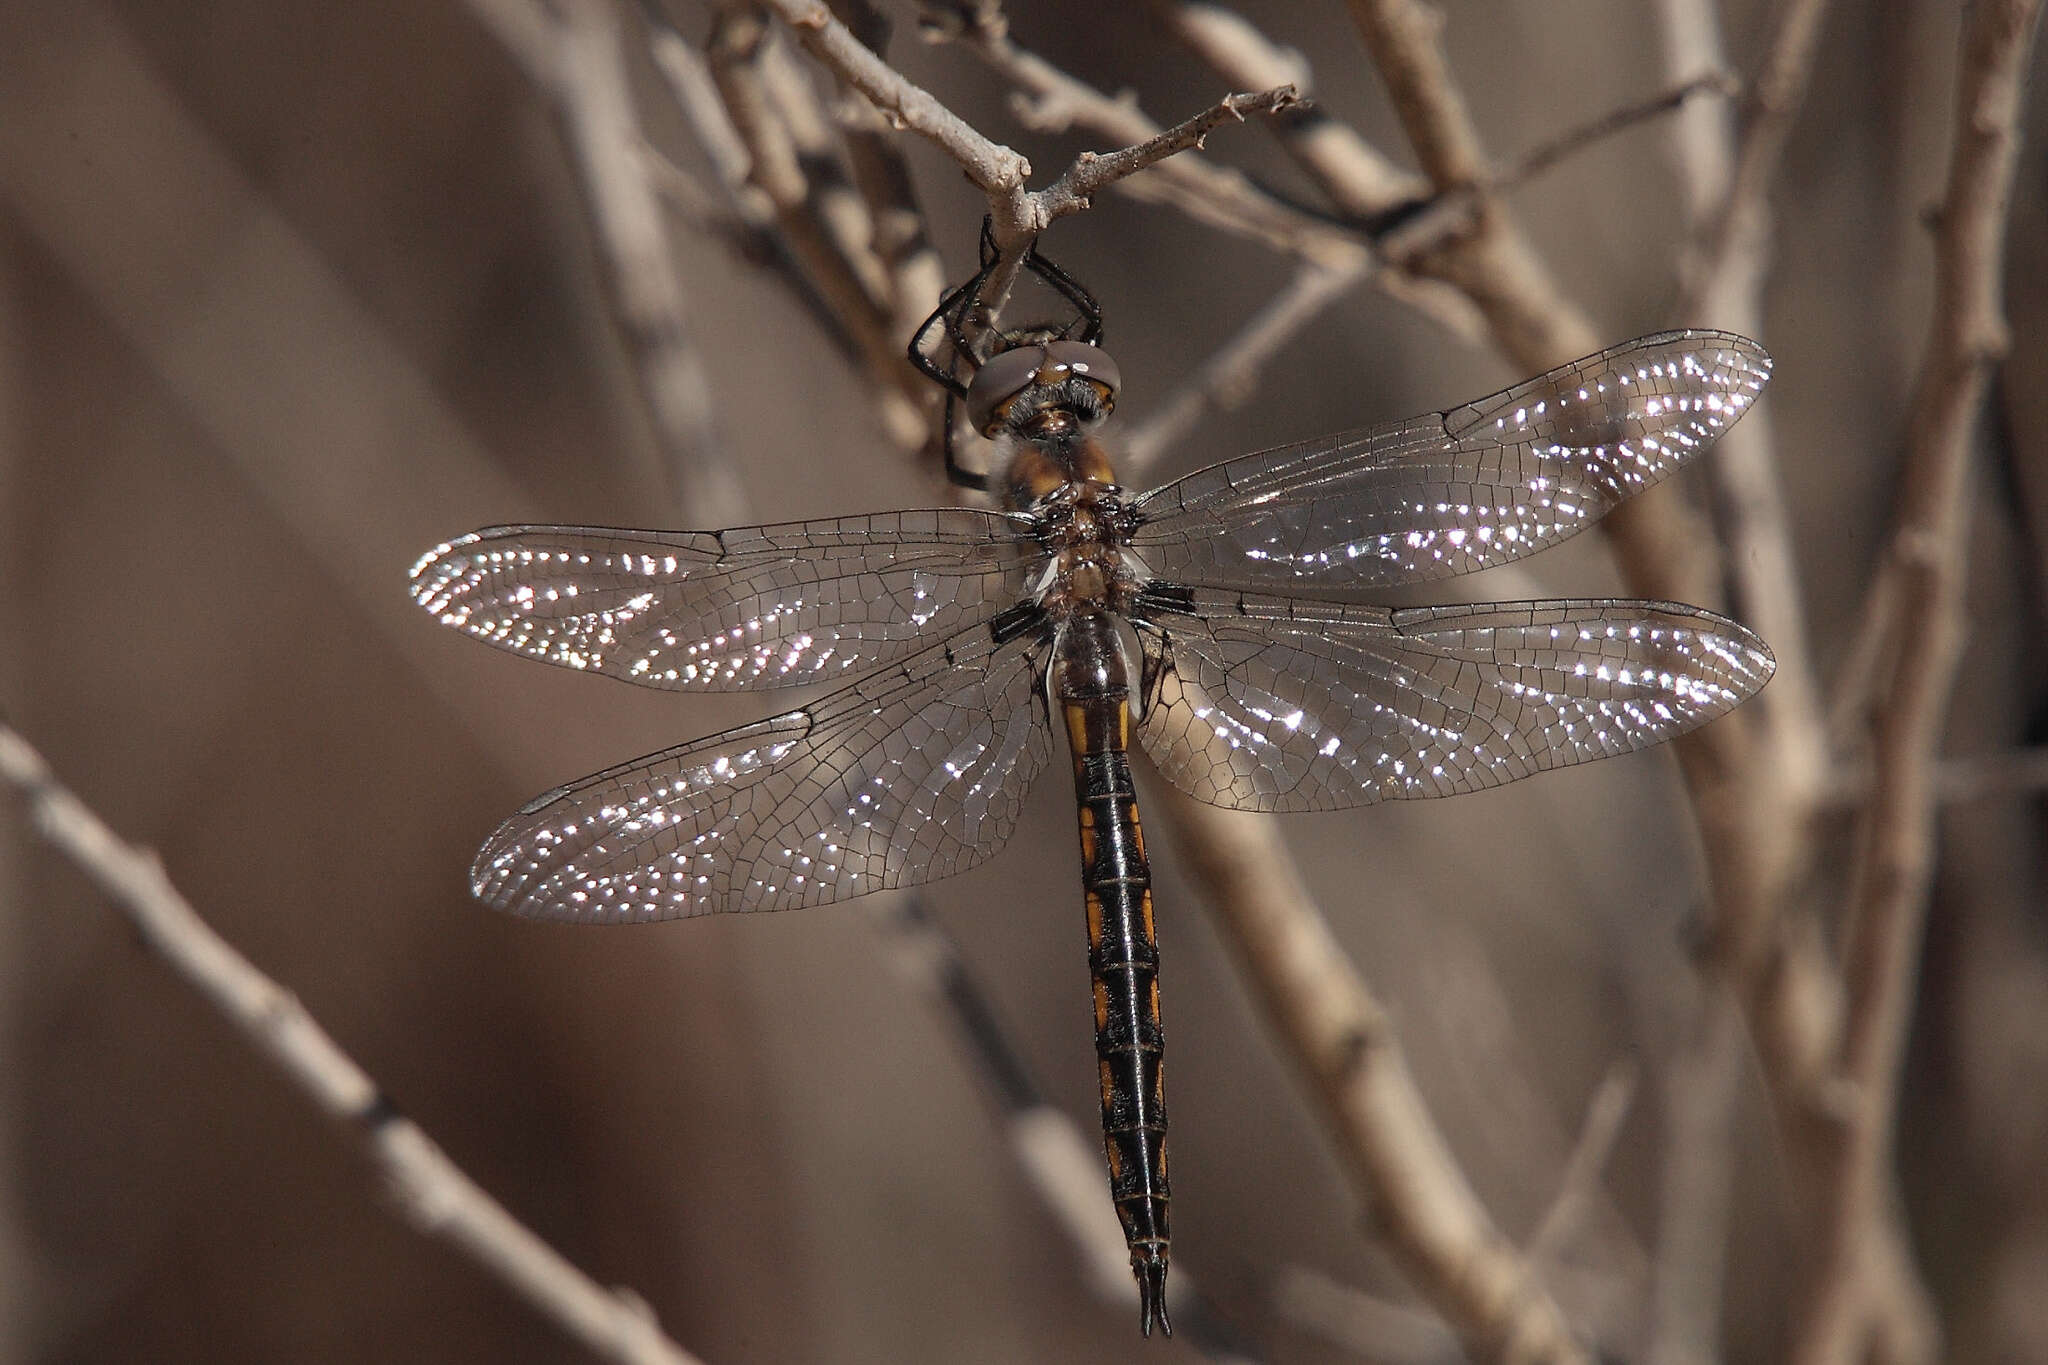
(575, 55)
(1398, 1164)
(1572, 141)
(916, 274)
(1722, 286)
(1094, 172)
(1218, 196)
(1362, 185)
(1017, 215)
(1698, 1086)
(1458, 210)
(1732, 251)
(1227, 377)
(834, 204)
(1580, 1182)
(1928, 556)
(688, 77)
(995, 170)
(1360, 182)
(767, 111)
(435, 1195)
(1208, 193)
(859, 332)
(1663, 547)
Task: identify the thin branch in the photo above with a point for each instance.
(755, 231)
(1723, 278)
(1699, 1086)
(579, 60)
(1360, 182)
(1928, 553)
(435, 1195)
(1209, 193)
(688, 77)
(995, 170)
(1664, 547)
(1580, 1183)
(1363, 186)
(880, 170)
(1405, 40)
(1789, 758)
(834, 203)
(1218, 196)
(1459, 210)
(1733, 249)
(1093, 172)
(1228, 376)
(765, 111)
(1572, 141)
(1662, 544)
(1399, 1165)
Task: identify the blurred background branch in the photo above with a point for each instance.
(433, 1194)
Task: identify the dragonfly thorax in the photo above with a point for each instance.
(1089, 572)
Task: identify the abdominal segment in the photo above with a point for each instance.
(1123, 959)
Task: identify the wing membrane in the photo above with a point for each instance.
(1269, 704)
(1448, 493)
(905, 777)
(763, 606)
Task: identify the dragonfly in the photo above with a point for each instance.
(1225, 620)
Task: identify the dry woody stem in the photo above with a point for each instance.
(430, 1190)
(1887, 915)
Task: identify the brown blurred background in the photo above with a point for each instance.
(288, 294)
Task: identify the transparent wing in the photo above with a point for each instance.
(1271, 704)
(762, 606)
(905, 777)
(1451, 492)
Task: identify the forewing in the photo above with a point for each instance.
(1267, 704)
(762, 606)
(905, 777)
(1449, 493)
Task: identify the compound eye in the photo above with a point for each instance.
(1089, 362)
(1001, 378)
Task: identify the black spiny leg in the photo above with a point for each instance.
(1072, 291)
(957, 474)
(951, 318)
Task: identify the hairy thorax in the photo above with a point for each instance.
(1083, 524)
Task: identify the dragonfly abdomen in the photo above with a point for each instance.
(1123, 960)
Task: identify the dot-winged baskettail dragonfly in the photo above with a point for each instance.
(1222, 620)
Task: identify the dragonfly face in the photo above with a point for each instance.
(962, 639)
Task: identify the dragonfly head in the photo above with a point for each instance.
(1043, 389)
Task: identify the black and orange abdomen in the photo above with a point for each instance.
(1123, 958)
